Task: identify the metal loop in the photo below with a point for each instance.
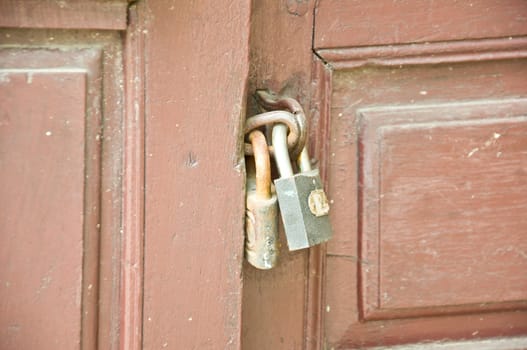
(273, 117)
(272, 102)
(281, 155)
(262, 163)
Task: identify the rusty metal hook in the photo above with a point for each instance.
(273, 117)
(271, 101)
(262, 163)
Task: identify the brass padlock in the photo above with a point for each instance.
(304, 207)
(261, 223)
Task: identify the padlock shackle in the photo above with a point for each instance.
(295, 138)
(262, 163)
(303, 161)
(281, 153)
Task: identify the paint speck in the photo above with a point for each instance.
(333, 154)
(328, 308)
(49, 133)
(29, 78)
(145, 31)
(340, 114)
(192, 160)
(472, 152)
(498, 154)
(423, 92)
(165, 344)
(90, 286)
(190, 318)
(496, 135)
(150, 319)
(475, 333)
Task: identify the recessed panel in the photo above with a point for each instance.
(42, 118)
(443, 207)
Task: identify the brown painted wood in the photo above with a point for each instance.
(439, 276)
(131, 298)
(196, 73)
(66, 14)
(280, 306)
(42, 167)
(442, 208)
(65, 110)
(369, 23)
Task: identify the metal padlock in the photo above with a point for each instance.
(261, 223)
(303, 203)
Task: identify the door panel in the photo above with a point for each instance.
(60, 114)
(427, 171)
(40, 287)
(441, 208)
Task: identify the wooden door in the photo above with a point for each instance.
(417, 112)
(122, 174)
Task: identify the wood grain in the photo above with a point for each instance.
(65, 14)
(95, 56)
(442, 208)
(278, 311)
(475, 96)
(370, 23)
(131, 297)
(42, 167)
(196, 74)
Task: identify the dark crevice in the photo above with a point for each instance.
(326, 63)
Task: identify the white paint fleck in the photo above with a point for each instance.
(472, 152)
(165, 344)
(190, 318)
(328, 308)
(475, 333)
(49, 133)
(496, 135)
(498, 154)
(423, 92)
(340, 114)
(29, 78)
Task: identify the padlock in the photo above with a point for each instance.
(303, 203)
(261, 223)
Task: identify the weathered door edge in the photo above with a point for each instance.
(131, 295)
(196, 72)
